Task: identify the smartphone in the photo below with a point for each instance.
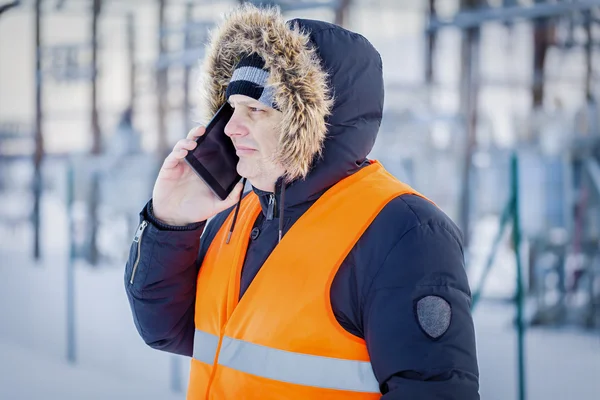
(214, 159)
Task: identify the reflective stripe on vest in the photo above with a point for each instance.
(285, 366)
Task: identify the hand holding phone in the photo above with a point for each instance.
(179, 196)
(215, 159)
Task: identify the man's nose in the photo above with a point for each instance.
(236, 126)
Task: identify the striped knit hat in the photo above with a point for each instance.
(250, 79)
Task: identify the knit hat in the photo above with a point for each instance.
(250, 79)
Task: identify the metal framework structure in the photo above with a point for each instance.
(469, 19)
(477, 17)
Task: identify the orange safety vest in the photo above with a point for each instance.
(281, 340)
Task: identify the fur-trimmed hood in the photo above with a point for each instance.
(328, 85)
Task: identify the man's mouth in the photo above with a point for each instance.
(243, 150)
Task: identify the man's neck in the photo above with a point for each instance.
(265, 186)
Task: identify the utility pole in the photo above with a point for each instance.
(96, 136)
(431, 39)
(589, 96)
(39, 138)
(97, 140)
(541, 42)
(161, 82)
(341, 12)
(131, 51)
(469, 81)
(189, 11)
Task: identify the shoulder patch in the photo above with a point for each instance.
(433, 315)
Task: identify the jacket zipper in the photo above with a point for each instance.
(271, 207)
(138, 239)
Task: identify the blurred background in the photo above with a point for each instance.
(491, 111)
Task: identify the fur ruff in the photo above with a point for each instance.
(301, 85)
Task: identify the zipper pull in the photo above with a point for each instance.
(271, 207)
(140, 231)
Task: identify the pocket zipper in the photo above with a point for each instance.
(138, 239)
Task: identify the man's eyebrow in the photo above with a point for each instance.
(248, 103)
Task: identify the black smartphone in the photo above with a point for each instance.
(214, 159)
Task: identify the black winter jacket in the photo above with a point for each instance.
(410, 251)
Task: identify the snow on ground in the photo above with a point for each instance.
(114, 363)
(561, 364)
(34, 328)
(26, 374)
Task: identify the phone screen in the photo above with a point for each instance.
(214, 159)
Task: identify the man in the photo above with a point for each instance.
(330, 279)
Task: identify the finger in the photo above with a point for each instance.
(170, 162)
(187, 144)
(174, 158)
(196, 132)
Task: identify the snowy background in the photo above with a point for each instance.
(420, 141)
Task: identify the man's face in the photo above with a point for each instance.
(252, 128)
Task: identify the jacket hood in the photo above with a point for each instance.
(328, 84)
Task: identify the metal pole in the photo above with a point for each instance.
(540, 49)
(431, 39)
(341, 12)
(161, 82)
(519, 298)
(592, 111)
(131, 50)
(71, 345)
(176, 374)
(39, 138)
(186, 71)
(469, 91)
(504, 220)
(588, 56)
(97, 140)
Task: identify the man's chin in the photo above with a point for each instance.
(245, 170)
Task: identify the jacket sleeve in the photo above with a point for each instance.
(417, 319)
(160, 280)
